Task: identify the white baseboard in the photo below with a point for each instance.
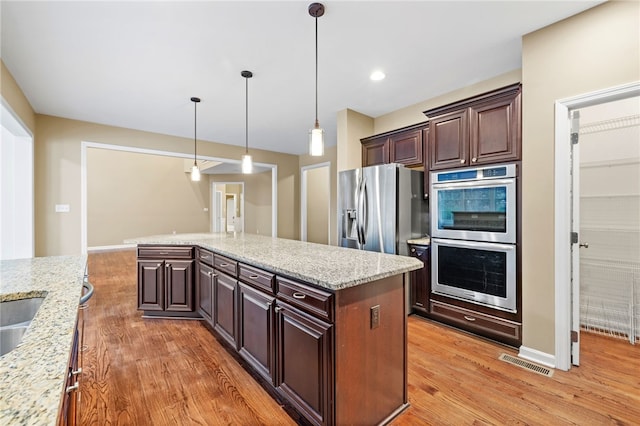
(111, 248)
(537, 356)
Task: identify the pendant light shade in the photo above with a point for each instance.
(195, 171)
(247, 162)
(316, 135)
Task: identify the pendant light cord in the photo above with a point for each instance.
(195, 132)
(316, 124)
(246, 116)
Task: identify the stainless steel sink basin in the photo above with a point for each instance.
(10, 337)
(14, 312)
(15, 318)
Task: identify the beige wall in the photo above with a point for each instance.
(596, 49)
(57, 180)
(132, 194)
(352, 126)
(15, 99)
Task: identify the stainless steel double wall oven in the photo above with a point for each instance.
(473, 230)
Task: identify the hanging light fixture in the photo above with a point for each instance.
(247, 163)
(195, 171)
(316, 135)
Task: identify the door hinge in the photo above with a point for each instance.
(575, 126)
(574, 138)
(574, 336)
(574, 238)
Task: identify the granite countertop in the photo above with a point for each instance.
(34, 374)
(326, 266)
(423, 241)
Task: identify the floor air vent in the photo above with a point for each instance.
(526, 365)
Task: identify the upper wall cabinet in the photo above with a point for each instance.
(480, 130)
(404, 146)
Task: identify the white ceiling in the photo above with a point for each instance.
(136, 64)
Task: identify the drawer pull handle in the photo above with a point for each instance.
(78, 371)
(159, 264)
(204, 256)
(73, 388)
(254, 277)
(468, 318)
(224, 265)
(164, 252)
(299, 295)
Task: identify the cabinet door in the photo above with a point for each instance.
(406, 148)
(204, 292)
(421, 279)
(375, 152)
(151, 285)
(304, 362)
(224, 308)
(425, 162)
(449, 140)
(256, 330)
(495, 131)
(179, 285)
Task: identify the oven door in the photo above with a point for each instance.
(477, 272)
(475, 210)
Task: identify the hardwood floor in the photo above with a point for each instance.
(174, 372)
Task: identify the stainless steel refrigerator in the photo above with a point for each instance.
(381, 207)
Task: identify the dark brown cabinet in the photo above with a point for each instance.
(420, 279)
(375, 152)
(166, 280)
(205, 282)
(70, 399)
(306, 344)
(404, 146)
(205, 277)
(304, 362)
(224, 309)
(256, 319)
(482, 130)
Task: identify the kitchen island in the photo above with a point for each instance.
(323, 327)
(33, 376)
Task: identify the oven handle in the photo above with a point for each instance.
(472, 244)
(475, 183)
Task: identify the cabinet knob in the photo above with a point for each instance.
(462, 161)
(277, 309)
(159, 264)
(474, 159)
(413, 250)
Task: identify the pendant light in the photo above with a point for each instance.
(195, 171)
(316, 135)
(247, 163)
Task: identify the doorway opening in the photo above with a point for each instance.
(16, 188)
(567, 244)
(227, 206)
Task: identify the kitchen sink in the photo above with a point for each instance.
(15, 318)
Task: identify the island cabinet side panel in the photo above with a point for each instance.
(371, 358)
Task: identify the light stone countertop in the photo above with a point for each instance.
(326, 266)
(424, 241)
(34, 374)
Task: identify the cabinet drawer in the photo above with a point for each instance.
(226, 265)
(171, 252)
(309, 299)
(258, 278)
(476, 321)
(205, 256)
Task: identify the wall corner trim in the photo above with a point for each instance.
(537, 356)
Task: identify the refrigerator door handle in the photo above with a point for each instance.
(363, 218)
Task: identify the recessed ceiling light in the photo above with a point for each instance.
(377, 76)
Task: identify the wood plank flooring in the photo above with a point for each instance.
(174, 372)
